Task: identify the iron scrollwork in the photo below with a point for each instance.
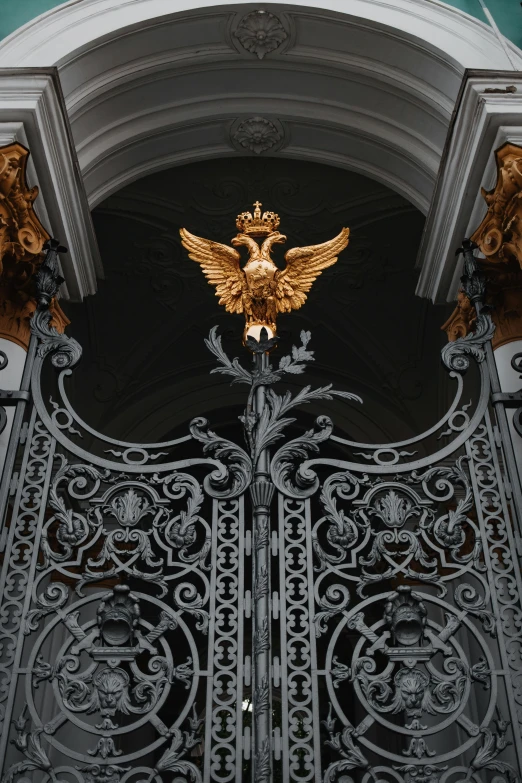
(377, 640)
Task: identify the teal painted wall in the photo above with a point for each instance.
(15, 13)
(507, 14)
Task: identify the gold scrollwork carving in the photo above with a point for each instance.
(499, 238)
(22, 238)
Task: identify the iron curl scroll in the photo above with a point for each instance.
(384, 647)
(233, 472)
(228, 478)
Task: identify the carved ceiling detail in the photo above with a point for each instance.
(260, 33)
(22, 238)
(257, 135)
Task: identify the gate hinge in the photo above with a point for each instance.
(276, 672)
(496, 435)
(510, 400)
(247, 604)
(275, 543)
(247, 742)
(24, 429)
(12, 397)
(13, 486)
(518, 543)
(276, 743)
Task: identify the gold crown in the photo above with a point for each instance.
(257, 225)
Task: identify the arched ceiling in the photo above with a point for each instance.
(146, 371)
(17, 15)
(371, 91)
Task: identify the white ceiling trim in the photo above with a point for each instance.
(130, 75)
(59, 33)
(102, 191)
(392, 94)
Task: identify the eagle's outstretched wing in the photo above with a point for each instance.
(303, 265)
(220, 264)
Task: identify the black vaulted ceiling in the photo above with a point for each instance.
(145, 368)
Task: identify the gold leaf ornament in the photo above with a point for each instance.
(260, 289)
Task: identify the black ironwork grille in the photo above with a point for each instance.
(264, 611)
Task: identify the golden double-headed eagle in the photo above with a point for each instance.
(259, 289)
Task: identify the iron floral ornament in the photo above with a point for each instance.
(259, 289)
(148, 592)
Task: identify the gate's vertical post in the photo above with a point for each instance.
(474, 287)
(499, 239)
(262, 491)
(22, 239)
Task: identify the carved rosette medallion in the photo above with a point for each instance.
(257, 135)
(260, 33)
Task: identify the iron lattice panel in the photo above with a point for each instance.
(220, 613)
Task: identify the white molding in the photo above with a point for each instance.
(32, 112)
(380, 82)
(54, 36)
(351, 92)
(483, 122)
(118, 153)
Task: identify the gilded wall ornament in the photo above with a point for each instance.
(22, 236)
(22, 240)
(260, 290)
(257, 134)
(462, 320)
(499, 239)
(260, 32)
(499, 236)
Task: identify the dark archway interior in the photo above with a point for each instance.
(145, 369)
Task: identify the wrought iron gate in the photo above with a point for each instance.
(196, 610)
